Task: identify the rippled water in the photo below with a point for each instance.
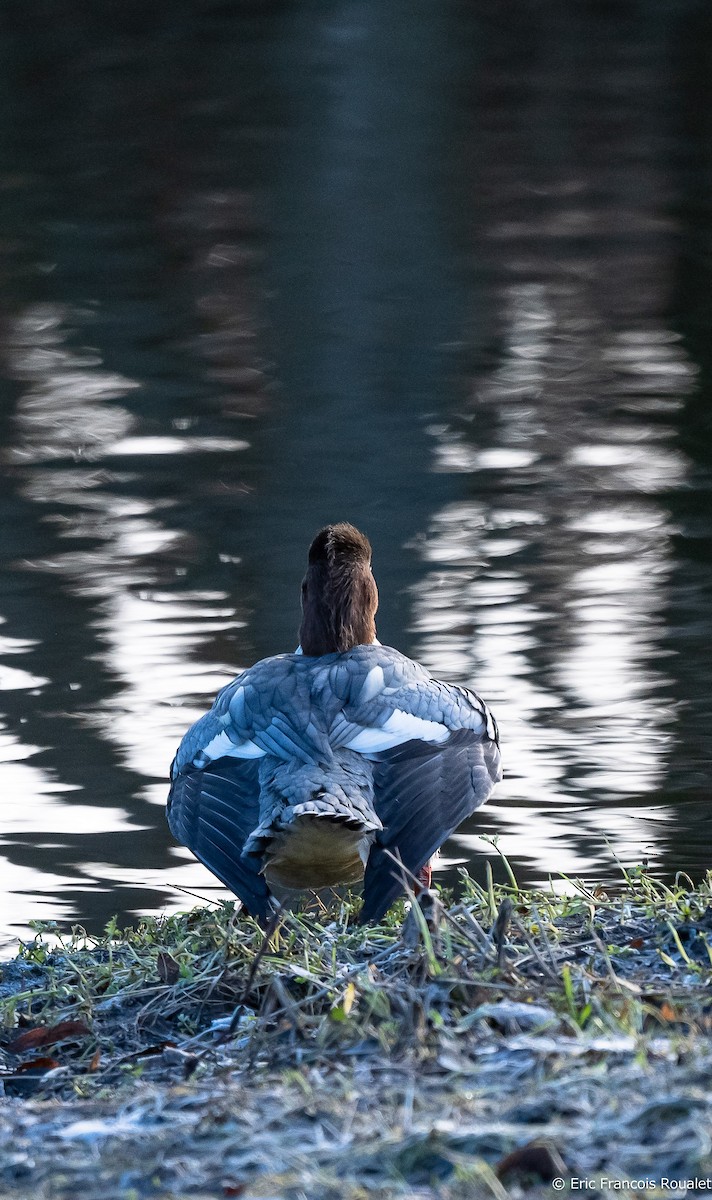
(442, 274)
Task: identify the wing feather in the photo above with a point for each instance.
(392, 700)
(213, 812)
(422, 793)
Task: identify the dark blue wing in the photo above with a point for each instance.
(212, 812)
(422, 793)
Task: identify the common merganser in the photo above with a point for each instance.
(311, 766)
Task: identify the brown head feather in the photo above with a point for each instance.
(339, 594)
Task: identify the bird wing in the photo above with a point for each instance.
(435, 754)
(213, 811)
(422, 794)
(385, 699)
(214, 802)
(265, 710)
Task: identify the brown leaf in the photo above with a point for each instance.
(68, 1029)
(29, 1040)
(667, 1012)
(535, 1160)
(95, 1060)
(47, 1035)
(44, 1063)
(28, 1077)
(148, 1051)
(636, 943)
(168, 969)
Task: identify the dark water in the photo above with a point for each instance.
(441, 269)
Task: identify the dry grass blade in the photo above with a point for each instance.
(269, 934)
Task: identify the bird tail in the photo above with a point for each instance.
(316, 823)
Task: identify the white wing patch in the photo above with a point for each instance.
(405, 726)
(221, 747)
(236, 708)
(372, 684)
(400, 727)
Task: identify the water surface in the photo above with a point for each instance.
(442, 273)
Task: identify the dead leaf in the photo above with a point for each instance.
(28, 1077)
(535, 1160)
(168, 969)
(29, 1040)
(148, 1052)
(44, 1063)
(47, 1035)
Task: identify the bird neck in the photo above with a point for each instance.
(339, 610)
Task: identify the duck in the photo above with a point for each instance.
(343, 762)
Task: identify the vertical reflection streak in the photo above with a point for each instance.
(121, 558)
(547, 588)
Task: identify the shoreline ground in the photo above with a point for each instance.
(491, 1047)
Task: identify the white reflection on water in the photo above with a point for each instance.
(547, 586)
(33, 808)
(151, 639)
(128, 447)
(68, 422)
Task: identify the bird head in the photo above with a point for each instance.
(339, 593)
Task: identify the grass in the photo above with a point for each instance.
(478, 1048)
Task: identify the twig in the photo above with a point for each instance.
(269, 934)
